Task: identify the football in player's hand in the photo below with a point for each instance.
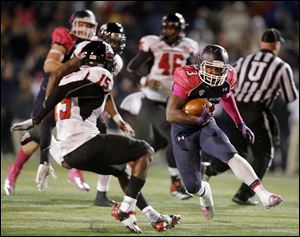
(194, 107)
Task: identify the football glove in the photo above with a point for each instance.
(206, 115)
(25, 125)
(43, 172)
(246, 132)
(125, 127)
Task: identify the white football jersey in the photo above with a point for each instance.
(72, 129)
(166, 59)
(118, 61)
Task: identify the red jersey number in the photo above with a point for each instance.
(64, 113)
(164, 63)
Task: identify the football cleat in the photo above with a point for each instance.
(75, 176)
(8, 187)
(273, 201)
(206, 202)
(9, 183)
(178, 190)
(165, 222)
(102, 200)
(127, 219)
(249, 201)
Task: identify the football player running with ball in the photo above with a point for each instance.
(214, 79)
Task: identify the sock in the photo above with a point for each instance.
(128, 204)
(173, 172)
(15, 168)
(244, 172)
(261, 192)
(21, 159)
(151, 214)
(103, 183)
(201, 191)
(141, 202)
(134, 186)
(242, 169)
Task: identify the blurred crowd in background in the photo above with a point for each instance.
(26, 39)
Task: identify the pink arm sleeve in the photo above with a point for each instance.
(178, 91)
(229, 105)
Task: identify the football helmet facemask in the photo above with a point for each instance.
(175, 21)
(84, 24)
(97, 53)
(113, 34)
(213, 65)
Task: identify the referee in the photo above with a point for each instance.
(262, 76)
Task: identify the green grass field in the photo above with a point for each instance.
(63, 210)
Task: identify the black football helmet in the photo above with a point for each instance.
(213, 65)
(83, 31)
(177, 21)
(113, 34)
(97, 53)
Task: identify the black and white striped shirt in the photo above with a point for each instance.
(262, 76)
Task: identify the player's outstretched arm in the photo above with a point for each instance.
(111, 108)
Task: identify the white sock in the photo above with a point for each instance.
(201, 191)
(128, 204)
(103, 183)
(242, 169)
(244, 172)
(151, 214)
(173, 171)
(262, 193)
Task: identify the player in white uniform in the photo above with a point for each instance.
(113, 34)
(164, 54)
(80, 98)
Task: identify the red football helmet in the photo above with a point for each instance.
(84, 24)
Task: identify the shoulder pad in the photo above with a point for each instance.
(181, 77)
(147, 41)
(62, 36)
(192, 44)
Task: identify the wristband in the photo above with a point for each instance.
(117, 118)
(199, 120)
(143, 81)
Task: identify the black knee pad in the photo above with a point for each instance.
(26, 138)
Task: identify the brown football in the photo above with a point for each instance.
(194, 107)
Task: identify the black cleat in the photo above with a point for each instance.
(247, 201)
(102, 200)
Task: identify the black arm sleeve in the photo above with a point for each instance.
(141, 59)
(84, 88)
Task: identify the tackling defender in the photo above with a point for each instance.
(79, 100)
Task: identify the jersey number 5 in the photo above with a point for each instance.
(64, 111)
(168, 63)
